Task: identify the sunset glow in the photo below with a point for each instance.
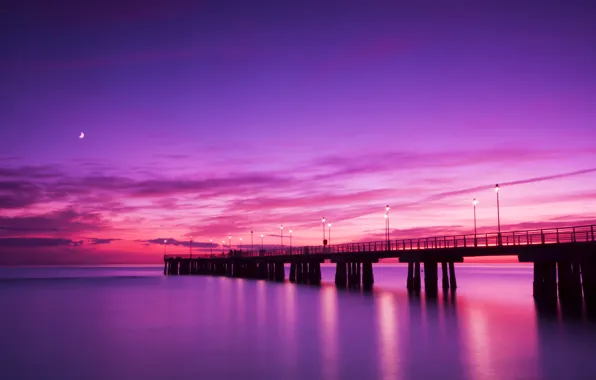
(200, 131)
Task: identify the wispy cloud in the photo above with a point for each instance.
(347, 165)
(98, 241)
(67, 220)
(180, 243)
(37, 242)
(475, 189)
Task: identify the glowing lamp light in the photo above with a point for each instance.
(474, 202)
(387, 208)
(497, 188)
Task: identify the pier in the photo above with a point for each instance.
(564, 261)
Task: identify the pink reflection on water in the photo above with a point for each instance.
(261, 304)
(491, 337)
(329, 337)
(287, 321)
(388, 336)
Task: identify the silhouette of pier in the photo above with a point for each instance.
(564, 261)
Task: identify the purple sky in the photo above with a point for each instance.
(210, 118)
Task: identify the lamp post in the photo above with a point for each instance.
(165, 246)
(252, 242)
(290, 241)
(223, 246)
(324, 241)
(497, 188)
(475, 202)
(190, 247)
(387, 225)
(262, 235)
(240, 245)
(329, 234)
(281, 229)
(230, 242)
(211, 245)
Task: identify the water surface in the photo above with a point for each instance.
(135, 323)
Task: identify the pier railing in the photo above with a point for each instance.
(577, 234)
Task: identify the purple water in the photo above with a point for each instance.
(135, 323)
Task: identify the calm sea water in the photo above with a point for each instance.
(135, 323)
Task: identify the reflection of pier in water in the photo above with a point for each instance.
(564, 261)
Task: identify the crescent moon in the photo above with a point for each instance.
(82, 135)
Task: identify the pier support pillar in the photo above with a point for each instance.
(340, 274)
(367, 275)
(350, 274)
(410, 281)
(445, 277)
(314, 276)
(588, 274)
(430, 278)
(545, 281)
(452, 279)
(299, 273)
(569, 282)
(353, 274)
(271, 272)
(173, 267)
(416, 281)
(280, 273)
(292, 272)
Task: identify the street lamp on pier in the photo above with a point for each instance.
(252, 242)
(230, 242)
(211, 245)
(262, 236)
(281, 229)
(387, 226)
(475, 202)
(290, 240)
(190, 247)
(329, 232)
(497, 188)
(324, 241)
(165, 249)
